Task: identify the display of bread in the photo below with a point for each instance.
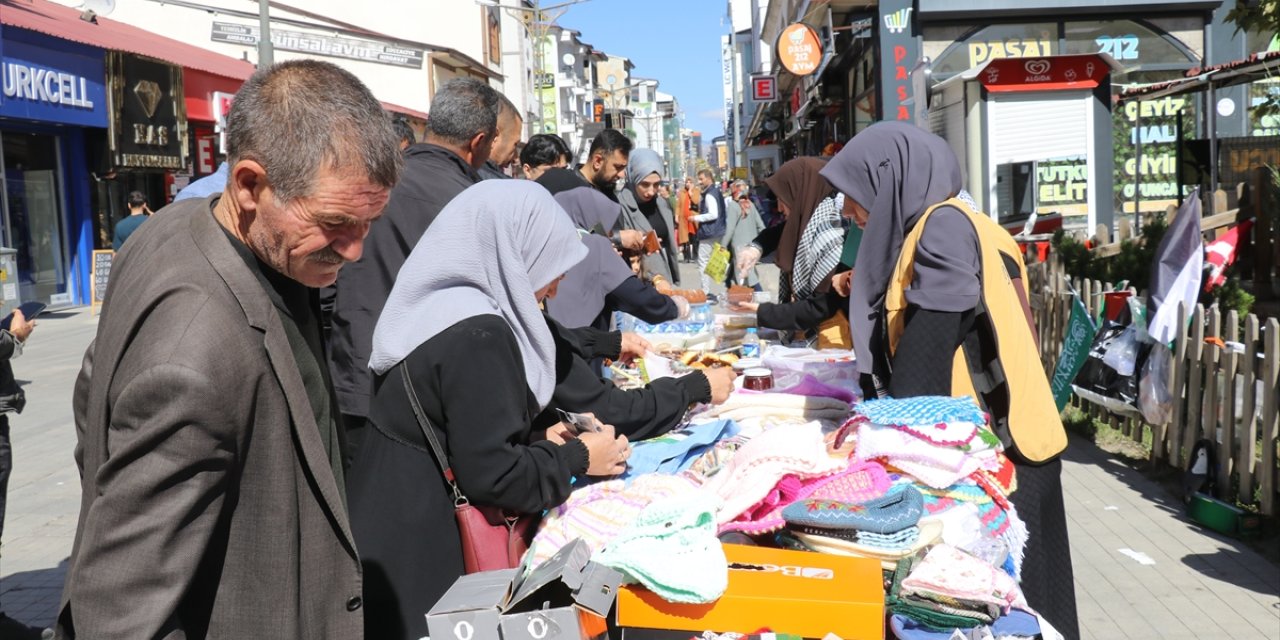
(704, 360)
(739, 294)
(694, 296)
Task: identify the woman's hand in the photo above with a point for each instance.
(721, 379)
(750, 307)
(842, 283)
(747, 258)
(561, 433)
(607, 454)
(633, 346)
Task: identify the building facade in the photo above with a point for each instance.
(880, 61)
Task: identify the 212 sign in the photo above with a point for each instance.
(1119, 47)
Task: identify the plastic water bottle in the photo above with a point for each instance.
(751, 344)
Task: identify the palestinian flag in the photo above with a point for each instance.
(1177, 271)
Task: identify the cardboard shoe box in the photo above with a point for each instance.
(793, 592)
(565, 598)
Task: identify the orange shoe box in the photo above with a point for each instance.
(796, 592)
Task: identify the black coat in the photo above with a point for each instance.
(432, 176)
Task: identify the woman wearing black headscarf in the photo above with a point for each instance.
(602, 283)
(958, 299)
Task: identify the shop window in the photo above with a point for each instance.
(33, 203)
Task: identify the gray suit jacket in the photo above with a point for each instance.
(208, 506)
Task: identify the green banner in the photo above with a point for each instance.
(1075, 349)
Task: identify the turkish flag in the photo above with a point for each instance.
(1220, 253)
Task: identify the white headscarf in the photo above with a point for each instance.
(489, 250)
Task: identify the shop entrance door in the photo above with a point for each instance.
(33, 213)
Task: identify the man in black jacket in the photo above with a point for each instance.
(510, 124)
(460, 137)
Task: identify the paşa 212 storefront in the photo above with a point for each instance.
(53, 99)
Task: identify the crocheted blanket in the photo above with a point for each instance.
(599, 512)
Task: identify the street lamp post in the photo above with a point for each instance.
(540, 23)
(266, 55)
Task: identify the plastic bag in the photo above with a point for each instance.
(1154, 399)
(1122, 353)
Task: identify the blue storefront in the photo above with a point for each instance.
(53, 109)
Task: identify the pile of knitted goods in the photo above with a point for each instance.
(937, 440)
(951, 590)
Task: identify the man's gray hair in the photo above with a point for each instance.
(299, 117)
(739, 183)
(462, 108)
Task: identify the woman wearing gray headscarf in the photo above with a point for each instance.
(463, 326)
(602, 283)
(959, 300)
(744, 224)
(645, 210)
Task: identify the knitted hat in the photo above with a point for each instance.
(861, 482)
(890, 513)
(672, 550)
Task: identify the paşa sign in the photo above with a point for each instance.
(149, 115)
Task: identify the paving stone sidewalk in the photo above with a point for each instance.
(1142, 570)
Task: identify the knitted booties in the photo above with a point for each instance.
(891, 513)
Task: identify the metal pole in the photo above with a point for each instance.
(1137, 169)
(266, 55)
(733, 93)
(1211, 111)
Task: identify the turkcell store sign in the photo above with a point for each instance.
(50, 80)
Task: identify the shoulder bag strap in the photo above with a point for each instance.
(424, 423)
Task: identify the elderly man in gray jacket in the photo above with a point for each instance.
(210, 445)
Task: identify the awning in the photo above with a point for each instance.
(64, 22)
(1255, 67)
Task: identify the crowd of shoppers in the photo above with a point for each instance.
(274, 358)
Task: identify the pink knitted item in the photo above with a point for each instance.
(757, 468)
(861, 482)
(766, 515)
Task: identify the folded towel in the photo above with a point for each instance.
(899, 540)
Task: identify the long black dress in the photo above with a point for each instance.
(472, 373)
(922, 366)
(471, 383)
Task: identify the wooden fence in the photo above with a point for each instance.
(1227, 396)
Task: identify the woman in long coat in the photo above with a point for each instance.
(463, 330)
(960, 292)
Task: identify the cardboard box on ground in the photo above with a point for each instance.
(566, 598)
